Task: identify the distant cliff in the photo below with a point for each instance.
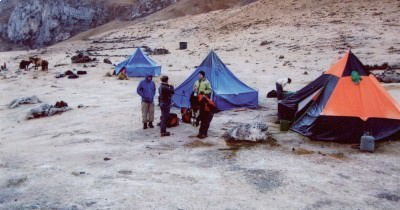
(38, 23)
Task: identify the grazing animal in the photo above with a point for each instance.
(40, 62)
(24, 64)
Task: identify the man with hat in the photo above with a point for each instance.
(147, 90)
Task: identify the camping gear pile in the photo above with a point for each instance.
(82, 57)
(24, 100)
(70, 74)
(47, 110)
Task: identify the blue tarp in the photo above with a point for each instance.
(228, 91)
(139, 65)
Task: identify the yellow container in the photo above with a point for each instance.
(285, 125)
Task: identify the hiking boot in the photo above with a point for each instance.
(165, 134)
(151, 125)
(144, 125)
(202, 136)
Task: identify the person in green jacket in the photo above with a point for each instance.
(202, 85)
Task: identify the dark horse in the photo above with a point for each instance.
(24, 64)
(40, 62)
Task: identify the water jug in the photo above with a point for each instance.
(367, 143)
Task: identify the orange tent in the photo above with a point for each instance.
(336, 108)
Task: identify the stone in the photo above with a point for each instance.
(107, 61)
(254, 132)
(16, 181)
(265, 43)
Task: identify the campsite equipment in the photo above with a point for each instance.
(333, 108)
(172, 120)
(228, 91)
(139, 65)
(183, 45)
(186, 115)
(367, 143)
(272, 94)
(284, 125)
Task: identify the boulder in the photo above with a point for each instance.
(107, 61)
(254, 132)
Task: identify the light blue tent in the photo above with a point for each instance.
(228, 91)
(139, 65)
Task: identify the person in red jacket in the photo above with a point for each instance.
(207, 109)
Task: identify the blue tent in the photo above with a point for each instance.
(139, 65)
(228, 91)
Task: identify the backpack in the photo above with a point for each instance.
(173, 120)
(210, 106)
(272, 94)
(186, 115)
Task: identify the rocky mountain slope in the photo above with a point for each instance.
(38, 23)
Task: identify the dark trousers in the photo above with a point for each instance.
(205, 119)
(279, 91)
(165, 109)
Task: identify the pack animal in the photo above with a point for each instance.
(24, 64)
(39, 62)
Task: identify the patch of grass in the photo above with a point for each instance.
(301, 151)
(338, 155)
(198, 143)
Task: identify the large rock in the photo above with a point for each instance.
(248, 132)
(38, 23)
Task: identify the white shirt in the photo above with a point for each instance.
(283, 82)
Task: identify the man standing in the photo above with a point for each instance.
(165, 91)
(202, 85)
(207, 109)
(147, 90)
(280, 84)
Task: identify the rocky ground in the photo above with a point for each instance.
(98, 157)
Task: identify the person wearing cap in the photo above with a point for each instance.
(165, 91)
(202, 85)
(147, 90)
(280, 84)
